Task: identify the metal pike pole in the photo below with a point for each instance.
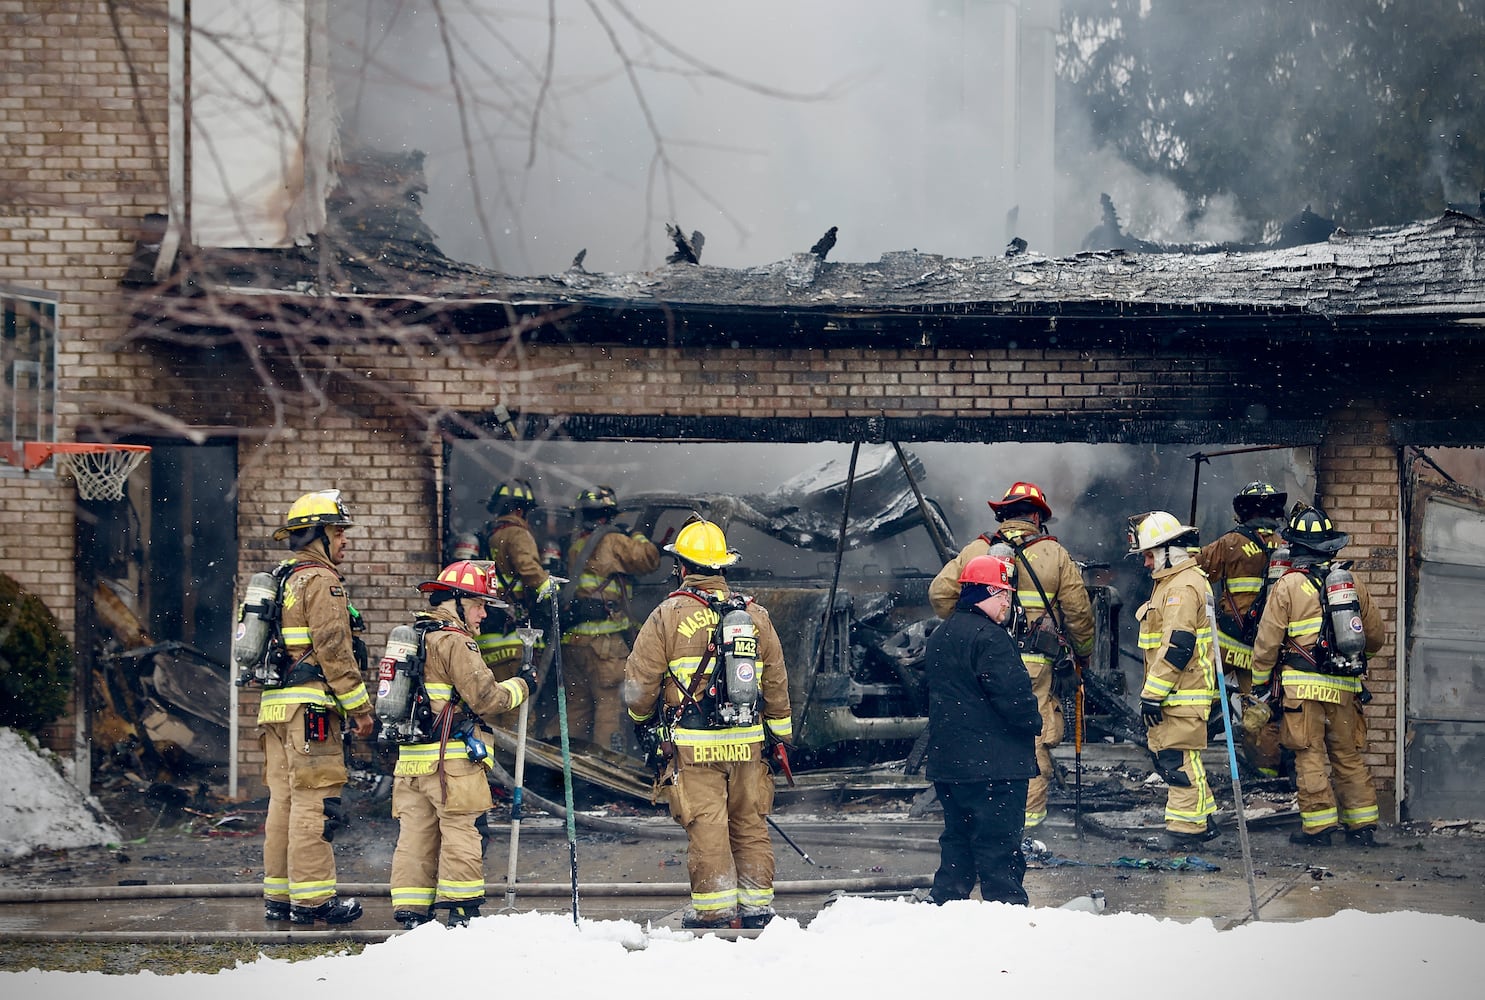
(566, 753)
(789, 840)
(1232, 765)
(528, 636)
(1078, 755)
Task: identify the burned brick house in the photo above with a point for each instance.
(366, 360)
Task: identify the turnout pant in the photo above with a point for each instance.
(1040, 669)
(438, 861)
(981, 841)
(1177, 743)
(592, 674)
(729, 856)
(1321, 734)
(304, 782)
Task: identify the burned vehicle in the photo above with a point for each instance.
(842, 557)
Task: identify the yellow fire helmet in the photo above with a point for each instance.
(701, 543)
(312, 510)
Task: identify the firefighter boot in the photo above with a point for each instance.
(720, 920)
(461, 914)
(1321, 839)
(757, 919)
(1364, 836)
(334, 910)
(276, 909)
(410, 919)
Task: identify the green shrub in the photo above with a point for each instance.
(35, 661)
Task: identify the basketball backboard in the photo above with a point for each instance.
(28, 357)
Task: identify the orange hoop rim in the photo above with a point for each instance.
(34, 454)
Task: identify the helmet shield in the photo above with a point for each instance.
(1155, 528)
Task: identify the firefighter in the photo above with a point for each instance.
(983, 722)
(511, 549)
(440, 789)
(300, 719)
(605, 560)
(1175, 635)
(1053, 608)
(1237, 566)
(1321, 691)
(702, 713)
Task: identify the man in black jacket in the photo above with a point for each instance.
(983, 724)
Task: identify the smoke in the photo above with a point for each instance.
(760, 125)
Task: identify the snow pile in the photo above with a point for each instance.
(39, 808)
(858, 948)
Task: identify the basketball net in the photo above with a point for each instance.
(100, 475)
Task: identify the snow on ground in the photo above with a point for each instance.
(39, 807)
(858, 948)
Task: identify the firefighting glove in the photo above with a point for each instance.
(1065, 680)
(651, 744)
(528, 674)
(1150, 713)
(548, 589)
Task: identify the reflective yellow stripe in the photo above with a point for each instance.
(412, 897)
(300, 892)
(461, 889)
(753, 895)
(1244, 584)
(354, 700)
(781, 728)
(1156, 689)
(414, 759)
(714, 902)
(704, 737)
(1305, 627)
(278, 703)
(1304, 685)
(1365, 816)
(1317, 820)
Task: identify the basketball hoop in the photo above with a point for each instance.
(100, 470)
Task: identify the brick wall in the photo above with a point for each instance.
(82, 99)
(1359, 475)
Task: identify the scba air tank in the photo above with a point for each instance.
(1279, 563)
(1345, 614)
(397, 684)
(740, 664)
(254, 626)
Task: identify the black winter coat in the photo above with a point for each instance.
(982, 717)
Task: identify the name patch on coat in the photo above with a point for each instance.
(722, 753)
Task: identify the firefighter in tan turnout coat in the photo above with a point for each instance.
(1237, 564)
(1176, 637)
(440, 788)
(516, 562)
(702, 712)
(300, 719)
(604, 561)
(1321, 689)
(1049, 588)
